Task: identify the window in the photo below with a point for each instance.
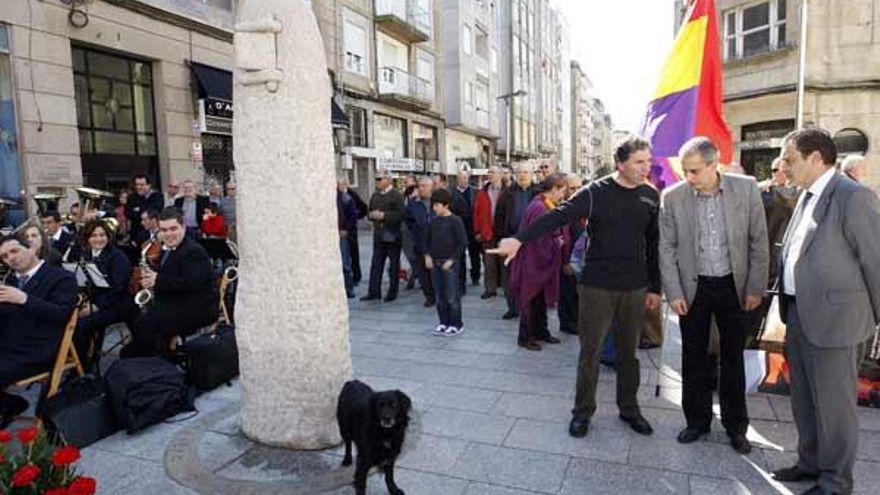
(425, 144)
(754, 29)
(467, 40)
(469, 94)
(355, 39)
(114, 104)
(425, 66)
(390, 135)
(10, 164)
(357, 135)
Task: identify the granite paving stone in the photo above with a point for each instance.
(604, 444)
(466, 425)
(527, 470)
(604, 478)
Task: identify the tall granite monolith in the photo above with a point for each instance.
(291, 313)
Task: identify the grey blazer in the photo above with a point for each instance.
(838, 272)
(746, 238)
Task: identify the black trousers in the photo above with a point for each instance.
(533, 323)
(153, 329)
(715, 296)
(423, 275)
(475, 252)
(90, 331)
(382, 250)
(568, 303)
(354, 246)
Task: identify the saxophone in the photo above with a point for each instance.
(144, 297)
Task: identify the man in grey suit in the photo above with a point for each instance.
(830, 302)
(713, 260)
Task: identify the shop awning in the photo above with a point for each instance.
(212, 82)
(338, 117)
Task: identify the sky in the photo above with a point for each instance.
(621, 45)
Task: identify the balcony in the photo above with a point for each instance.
(404, 20)
(401, 87)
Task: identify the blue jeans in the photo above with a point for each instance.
(447, 294)
(345, 250)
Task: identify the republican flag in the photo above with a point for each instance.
(688, 100)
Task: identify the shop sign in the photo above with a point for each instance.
(397, 164)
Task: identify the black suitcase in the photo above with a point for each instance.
(211, 359)
(80, 413)
(145, 391)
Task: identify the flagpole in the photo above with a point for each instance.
(802, 66)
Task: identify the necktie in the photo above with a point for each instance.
(165, 255)
(23, 281)
(796, 220)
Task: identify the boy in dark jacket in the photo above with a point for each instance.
(446, 241)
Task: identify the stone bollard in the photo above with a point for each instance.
(292, 315)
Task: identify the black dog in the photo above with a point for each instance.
(376, 422)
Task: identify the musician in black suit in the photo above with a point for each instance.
(149, 221)
(59, 238)
(107, 305)
(184, 292)
(33, 311)
(192, 205)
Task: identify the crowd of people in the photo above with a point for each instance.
(603, 253)
(716, 244)
(143, 247)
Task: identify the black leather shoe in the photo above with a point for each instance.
(792, 474)
(510, 315)
(551, 339)
(740, 443)
(429, 303)
(390, 297)
(410, 284)
(487, 295)
(638, 423)
(690, 435)
(578, 427)
(370, 298)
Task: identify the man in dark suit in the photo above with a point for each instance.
(59, 237)
(184, 293)
(463, 197)
(193, 206)
(33, 312)
(143, 199)
(830, 301)
(386, 213)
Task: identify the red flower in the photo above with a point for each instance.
(56, 491)
(5, 437)
(82, 486)
(25, 475)
(27, 435)
(65, 456)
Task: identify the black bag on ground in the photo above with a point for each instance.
(80, 412)
(145, 391)
(211, 359)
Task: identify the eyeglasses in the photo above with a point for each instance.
(774, 170)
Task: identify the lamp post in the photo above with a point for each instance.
(507, 97)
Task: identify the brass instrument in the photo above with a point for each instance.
(46, 202)
(230, 274)
(91, 198)
(144, 296)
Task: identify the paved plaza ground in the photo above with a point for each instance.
(490, 419)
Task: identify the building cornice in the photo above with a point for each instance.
(791, 88)
(174, 19)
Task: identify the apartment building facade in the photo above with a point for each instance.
(581, 122)
(91, 96)
(386, 62)
(471, 81)
(761, 48)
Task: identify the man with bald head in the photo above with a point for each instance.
(855, 167)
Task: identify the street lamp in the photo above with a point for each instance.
(507, 97)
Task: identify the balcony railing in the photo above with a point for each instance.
(404, 19)
(402, 86)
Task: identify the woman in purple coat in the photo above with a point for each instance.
(534, 273)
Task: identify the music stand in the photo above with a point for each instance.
(217, 248)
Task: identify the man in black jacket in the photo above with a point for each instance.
(59, 237)
(33, 312)
(192, 205)
(463, 197)
(184, 293)
(508, 214)
(143, 199)
(386, 213)
(353, 241)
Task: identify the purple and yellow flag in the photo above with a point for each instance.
(688, 100)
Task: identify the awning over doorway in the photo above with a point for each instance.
(212, 82)
(338, 117)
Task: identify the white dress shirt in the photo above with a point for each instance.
(799, 232)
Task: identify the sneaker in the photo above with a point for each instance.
(440, 330)
(452, 331)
